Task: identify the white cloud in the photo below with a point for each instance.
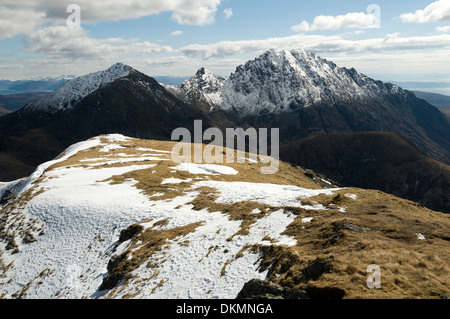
(193, 12)
(14, 22)
(347, 21)
(438, 11)
(176, 33)
(165, 61)
(61, 42)
(423, 65)
(302, 27)
(443, 29)
(190, 12)
(228, 13)
(318, 43)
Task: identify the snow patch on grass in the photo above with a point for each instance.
(420, 237)
(173, 180)
(206, 169)
(269, 194)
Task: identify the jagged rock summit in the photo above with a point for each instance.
(282, 80)
(204, 86)
(202, 89)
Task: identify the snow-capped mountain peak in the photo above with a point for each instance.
(282, 80)
(68, 94)
(205, 80)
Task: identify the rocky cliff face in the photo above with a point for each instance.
(204, 86)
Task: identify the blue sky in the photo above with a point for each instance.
(410, 41)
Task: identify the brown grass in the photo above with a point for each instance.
(376, 228)
(410, 268)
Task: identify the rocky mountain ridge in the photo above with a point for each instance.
(305, 95)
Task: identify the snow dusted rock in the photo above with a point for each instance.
(282, 80)
(204, 86)
(67, 95)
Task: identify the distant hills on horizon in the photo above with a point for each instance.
(49, 83)
(14, 94)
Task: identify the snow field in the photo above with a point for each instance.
(83, 216)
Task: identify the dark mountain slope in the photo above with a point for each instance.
(14, 102)
(445, 109)
(433, 98)
(375, 160)
(442, 102)
(4, 111)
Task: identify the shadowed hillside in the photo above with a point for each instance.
(382, 161)
(4, 111)
(14, 102)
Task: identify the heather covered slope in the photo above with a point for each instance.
(115, 217)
